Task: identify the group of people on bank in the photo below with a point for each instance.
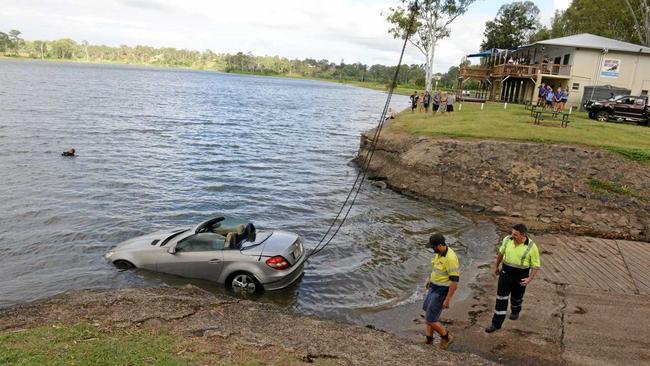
(517, 264)
(552, 99)
(439, 102)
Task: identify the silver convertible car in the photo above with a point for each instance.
(224, 250)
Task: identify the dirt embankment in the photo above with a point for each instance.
(552, 188)
(220, 326)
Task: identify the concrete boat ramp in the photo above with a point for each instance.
(590, 306)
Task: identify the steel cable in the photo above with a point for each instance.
(361, 175)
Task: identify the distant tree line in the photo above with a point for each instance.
(12, 45)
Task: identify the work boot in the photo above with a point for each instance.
(444, 343)
(514, 316)
(491, 328)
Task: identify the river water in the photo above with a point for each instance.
(163, 148)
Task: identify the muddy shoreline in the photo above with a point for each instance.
(221, 326)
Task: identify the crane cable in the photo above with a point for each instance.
(361, 175)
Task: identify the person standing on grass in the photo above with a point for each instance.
(451, 99)
(414, 101)
(421, 103)
(426, 101)
(441, 286)
(549, 97)
(557, 99)
(541, 96)
(436, 102)
(520, 261)
(564, 99)
(443, 103)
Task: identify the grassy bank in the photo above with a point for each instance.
(515, 123)
(85, 344)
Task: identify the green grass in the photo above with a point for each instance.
(515, 123)
(86, 345)
(631, 153)
(600, 186)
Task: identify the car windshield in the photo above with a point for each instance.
(230, 223)
(172, 236)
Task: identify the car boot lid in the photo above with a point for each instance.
(268, 244)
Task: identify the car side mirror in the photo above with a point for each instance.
(171, 250)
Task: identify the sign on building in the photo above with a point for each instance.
(610, 68)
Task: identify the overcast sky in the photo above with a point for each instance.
(353, 30)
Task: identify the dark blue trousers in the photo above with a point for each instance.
(509, 288)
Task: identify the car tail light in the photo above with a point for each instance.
(278, 262)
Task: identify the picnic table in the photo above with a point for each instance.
(539, 114)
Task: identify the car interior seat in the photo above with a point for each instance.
(229, 240)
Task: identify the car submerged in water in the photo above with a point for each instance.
(224, 250)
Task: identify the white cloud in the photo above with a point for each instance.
(561, 4)
(353, 30)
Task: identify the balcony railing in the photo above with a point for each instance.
(556, 69)
(504, 70)
(468, 72)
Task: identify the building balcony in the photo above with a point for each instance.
(512, 70)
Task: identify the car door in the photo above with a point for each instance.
(197, 256)
(622, 107)
(637, 110)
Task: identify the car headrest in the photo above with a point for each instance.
(240, 229)
(249, 232)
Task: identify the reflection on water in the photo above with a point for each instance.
(166, 148)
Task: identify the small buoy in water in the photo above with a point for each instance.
(68, 153)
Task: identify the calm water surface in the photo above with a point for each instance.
(161, 148)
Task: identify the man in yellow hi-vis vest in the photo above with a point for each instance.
(520, 258)
(442, 285)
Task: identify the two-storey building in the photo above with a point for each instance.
(571, 63)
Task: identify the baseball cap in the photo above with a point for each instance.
(436, 239)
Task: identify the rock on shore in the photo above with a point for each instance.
(550, 187)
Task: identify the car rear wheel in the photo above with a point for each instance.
(244, 283)
(602, 116)
(121, 264)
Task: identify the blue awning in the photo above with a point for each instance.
(495, 51)
(481, 54)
